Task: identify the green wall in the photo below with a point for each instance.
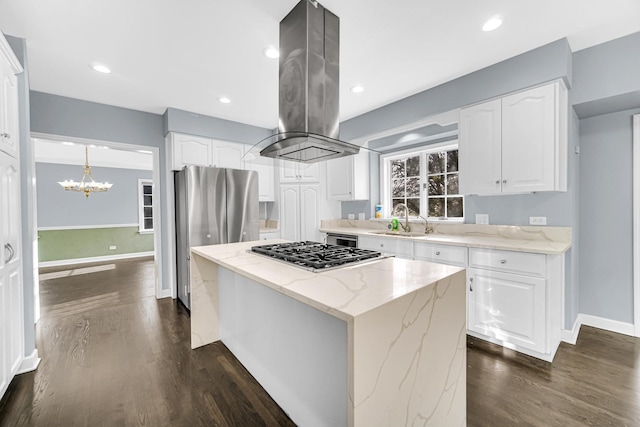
(57, 245)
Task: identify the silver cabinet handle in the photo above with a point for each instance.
(382, 245)
(5, 135)
(8, 247)
(470, 284)
(503, 261)
(504, 181)
(497, 181)
(437, 252)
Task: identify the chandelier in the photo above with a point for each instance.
(84, 185)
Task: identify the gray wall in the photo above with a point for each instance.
(606, 219)
(59, 208)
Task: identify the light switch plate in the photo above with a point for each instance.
(351, 216)
(112, 248)
(482, 218)
(537, 220)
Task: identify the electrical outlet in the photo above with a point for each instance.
(482, 218)
(351, 216)
(112, 248)
(360, 215)
(537, 220)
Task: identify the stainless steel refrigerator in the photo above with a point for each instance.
(213, 206)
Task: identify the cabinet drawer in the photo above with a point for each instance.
(396, 246)
(454, 255)
(512, 262)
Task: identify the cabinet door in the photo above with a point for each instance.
(309, 208)
(228, 155)
(479, 149)
(8, 110)
(508, 307)
(191, 150)
(290, 212)
(288, 171)
(529, 140)
(340, 179)
(10, 271)
(266, 173)
(309, 172)
(446, 254)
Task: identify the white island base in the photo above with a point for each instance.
(380, 344)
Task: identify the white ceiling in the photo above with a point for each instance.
(185, 54)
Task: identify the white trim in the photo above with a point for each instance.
(616, 326)
(606, 324)
(73, 261)
(571, 336)
(636, 223)
(157, 217)
(7, 52)
(29, 363)
(141, 183)
(166, 293)
(85, 227)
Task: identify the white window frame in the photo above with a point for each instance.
(422, 151)
(141, 206)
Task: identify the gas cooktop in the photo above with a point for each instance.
(316, 256)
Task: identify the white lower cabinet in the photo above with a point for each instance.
(270, 235)
(515, 299)
(507, 307)
(394, 246)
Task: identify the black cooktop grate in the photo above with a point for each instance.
(315, 255)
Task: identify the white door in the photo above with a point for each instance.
(309, 209)
(508, 307)
(8, 109)
(529, 140)
(11, 303)
(479, 149)
(290, 212)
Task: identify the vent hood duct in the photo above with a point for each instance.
(309, 88)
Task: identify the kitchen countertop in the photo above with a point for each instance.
(344, 292)
(535, 239)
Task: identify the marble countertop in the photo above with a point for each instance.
(544, 240)
(344, 292)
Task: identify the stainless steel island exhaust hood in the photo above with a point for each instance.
(309, 88)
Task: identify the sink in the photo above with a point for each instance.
(399, 233)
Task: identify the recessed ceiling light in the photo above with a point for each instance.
(224, 100)
(357, 88)
(492, 24)
(101, 68)
(271, 52)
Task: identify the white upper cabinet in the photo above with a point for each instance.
(298, 172)
(9, 142)
(228, 154)
(190, 150)
(266, 173)
(348, 177)
(516, 144)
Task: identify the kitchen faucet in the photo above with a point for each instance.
(405, 226)
(427, 229)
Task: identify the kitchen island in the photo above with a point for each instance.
(380, 343)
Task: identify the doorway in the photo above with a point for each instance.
(114, 155)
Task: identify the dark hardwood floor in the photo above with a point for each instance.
(113, 355)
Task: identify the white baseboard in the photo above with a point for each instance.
(571, 336)
(165, 293)
(607, 324)
(63, 262)
(29, 363)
